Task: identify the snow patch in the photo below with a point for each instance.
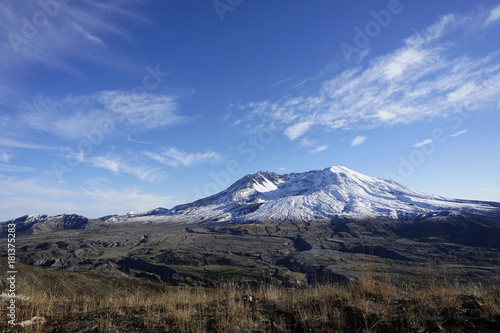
(264, 186)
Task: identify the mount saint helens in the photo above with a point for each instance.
(315, 195)
(328, 194)
(331, 224)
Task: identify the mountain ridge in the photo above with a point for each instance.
(317, 194)
(170, 245)
(328, 194)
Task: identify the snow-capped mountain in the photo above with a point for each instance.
(320, 194)
(43, 223)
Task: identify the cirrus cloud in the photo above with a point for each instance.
(72, 29)
(427, 77)
(175, 158)
(120, 166)
(76, 115)
(459, 133)
(422, 143)
(318, 149)
(297, 130)
(358, 140)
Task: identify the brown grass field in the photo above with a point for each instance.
(367, 306)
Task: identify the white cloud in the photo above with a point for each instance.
(34, 196)
(318, 149)
(463, 93)
(435, 31)
(137, 141)
(174, 157)
(358, 140)
(106, 163)
(494, 16)
(72, 30)
(31, 186)
(308, 142)
(424, 79)
(422, 143)
(14, 168)
(280, 82)
(26, 145)
(5, 157)
(142, 111)
(84, 115)
(297, 130)
(107, 201)
(119, 166)
(403, 60)
(459, 133)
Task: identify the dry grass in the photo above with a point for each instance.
(369, 306)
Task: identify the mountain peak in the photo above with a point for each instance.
(333, 192)
(263, 181)
(339, 169)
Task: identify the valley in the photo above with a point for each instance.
(291, 253)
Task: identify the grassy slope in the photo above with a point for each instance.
(128, 305)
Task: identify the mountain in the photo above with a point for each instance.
(315, 195)
(361, 224)
(44, 223)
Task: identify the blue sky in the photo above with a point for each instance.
(112, 106)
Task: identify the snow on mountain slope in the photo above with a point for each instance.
(319, 194)
(43, 223)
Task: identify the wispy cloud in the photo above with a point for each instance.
(108, 201)
(137, 141)
(34, 196)
(297, 130)
(318, 149)
(459, 133)
(312, 145)
(280, 82)
(436, 31)
(174, 157)
(5, 157)
(6, 167)
(34, 186)
(422, 143)
(427, 77)
(145, 111)
(80, 116)
(308, 142)
(26, 145)
(358, 140)
(70, 29)
(119, 166)
(106, 163)
(494, 16)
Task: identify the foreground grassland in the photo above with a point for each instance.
(367, 306)
(290, 276)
